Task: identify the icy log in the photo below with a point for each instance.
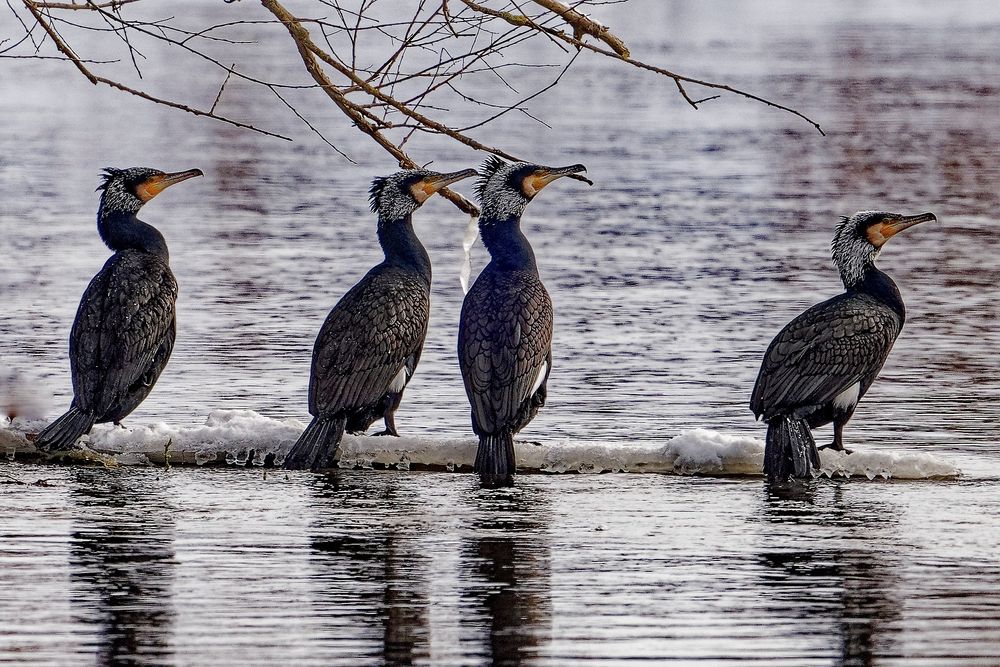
(244, 437)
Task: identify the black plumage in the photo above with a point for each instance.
(125, 325)
(823, 362)
(505, 332)
(369, 346)
(505, 352)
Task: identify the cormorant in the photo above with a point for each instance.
(124, 328)
(505, 333)
(370, 343)
(821, 364)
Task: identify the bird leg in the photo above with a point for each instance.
(389, 416)
(838, 437)
(390, 427)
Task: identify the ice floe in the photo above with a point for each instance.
(241, 437)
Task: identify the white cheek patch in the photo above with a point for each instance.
(539, 378)
(398, 382)
(848, 398)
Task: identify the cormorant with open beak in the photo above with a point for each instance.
(125, 326)
(505, 334)
(370, 343)
(821, 364)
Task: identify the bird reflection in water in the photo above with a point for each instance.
(393, 590)
(507, 571)
(373, 574)
(121, 565)
(834, 587)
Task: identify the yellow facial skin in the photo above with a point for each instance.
(882, 231)
(154, 185)
(538, 179)
(428, 185)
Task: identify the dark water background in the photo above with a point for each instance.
(706, 231)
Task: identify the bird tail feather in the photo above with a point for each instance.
(495, 459)
(316, 448)
(790, 450)
(65, 431)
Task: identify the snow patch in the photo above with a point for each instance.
(240, 437)
(883, 464)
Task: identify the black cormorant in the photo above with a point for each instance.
(505, 333)
(821, 364)
(370, 343)
(124, 328)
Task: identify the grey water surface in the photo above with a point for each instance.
(704, 233)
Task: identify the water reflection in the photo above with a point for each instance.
(835, 587)
(406, 636)
(122, 566)
(404, 578)
(373, 572)
(507, 563)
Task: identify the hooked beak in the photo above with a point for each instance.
(432, 184)
(539, 178)
(908, 221)
(156, 184)
(889, 229)
(542, 177)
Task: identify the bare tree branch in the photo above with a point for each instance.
(307, 50)
(583, 25)
(392, 75)
(94, 79)
(678, 79)
(86, 5)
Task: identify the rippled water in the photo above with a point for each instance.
(706, 231)
(210, 567)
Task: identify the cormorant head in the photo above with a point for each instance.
(859, 239)
(126, 190)
(505, 188)
(397, 196)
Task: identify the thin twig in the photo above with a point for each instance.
(94, 79)
(311, 126)
(524, 21)
(87, 5)
(218, 97)
(307, 49)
